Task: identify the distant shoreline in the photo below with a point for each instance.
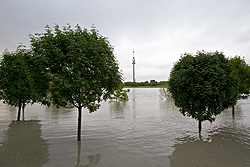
(158, 86)
(146, 84)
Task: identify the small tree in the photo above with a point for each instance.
(153, 82)
(241, 70)
(81, 65)
(202, 85)
(15, 85)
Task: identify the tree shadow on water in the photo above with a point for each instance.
(23, 145)
(224, 149)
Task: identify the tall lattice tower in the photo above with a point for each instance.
(133, 62)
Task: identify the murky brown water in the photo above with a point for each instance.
(143, 132)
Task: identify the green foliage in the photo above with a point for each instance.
(22, 80)
(15, 85)
(241, 70)
(120, 93)
(202, 85)
(80, 63)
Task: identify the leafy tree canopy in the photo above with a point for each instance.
(242, 71)
(81, 65)
(202, 85)
(16, 88)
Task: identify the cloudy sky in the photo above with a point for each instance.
(158, 30)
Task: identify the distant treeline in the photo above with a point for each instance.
(147, 83)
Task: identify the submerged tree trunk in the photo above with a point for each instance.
(79, 123)
(200, 126)
(23, 110)
(233, 110)
(19, 111)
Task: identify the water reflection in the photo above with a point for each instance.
(93, 160)
(117, 109)
(23, 145)
(168, 105)
(151, 131)
(227, 146)
(58, 113)
(133, 95)
(7, 111)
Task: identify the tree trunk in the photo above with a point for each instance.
(23, 110)
(79, 123)
(200, 126)
(19, 111)
(233, 110)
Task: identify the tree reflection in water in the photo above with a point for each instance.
(117, 109)
(23, 145)
(93, 160)
(226, 147)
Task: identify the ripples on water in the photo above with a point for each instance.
(145, 131)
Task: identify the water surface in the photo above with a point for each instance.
(146, 131)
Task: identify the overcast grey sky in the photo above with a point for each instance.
(158, 30)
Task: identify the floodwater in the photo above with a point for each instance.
(146, 131)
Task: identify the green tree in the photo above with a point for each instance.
(202, 85)
(153, 82)
(242, 71)
(81, 65)
(15, 85)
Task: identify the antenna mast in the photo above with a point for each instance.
(133, 62)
